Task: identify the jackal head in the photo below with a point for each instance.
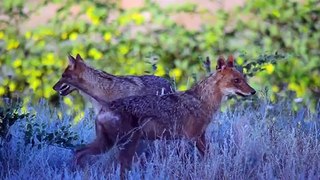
(232, 81)
(72, 72)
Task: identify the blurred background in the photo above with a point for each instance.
(275, 41)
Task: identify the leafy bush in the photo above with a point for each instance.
(108, 37)
(291, 28)
(39, 127)
(9, 114)
(38, 135)
(47, 128)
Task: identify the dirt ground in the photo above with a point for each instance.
(190, 21)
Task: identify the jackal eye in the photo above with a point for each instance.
(237, 81)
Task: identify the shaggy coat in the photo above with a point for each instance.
(171, 116)
(99, 84)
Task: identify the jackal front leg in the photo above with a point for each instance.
(98, 146)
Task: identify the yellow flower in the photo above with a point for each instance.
(276, 13)
(17, 63)
(240, 60)
(26, 72)
(160, 70)
(245, 70)
(27, 35)
(1, 34)
(275, 88)
(95, 54)
(48, 91)
(300, 91)
(73, 36)
(34, 83)
(48, 60)
(90, 13)
(123, 49)
(12, 86)
(176, 73)
(107, 36)
(78, 116)
(12, 44)
(137, 18)
(182, 87)
(67, 101)
(64, 35)
(269, 68)
(36, 73)
(95, 20)
(2, 90)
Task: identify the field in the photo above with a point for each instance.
(272, 135)
(253, 141)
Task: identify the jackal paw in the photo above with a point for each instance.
(78, 156)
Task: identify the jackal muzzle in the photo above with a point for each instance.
(63, 89)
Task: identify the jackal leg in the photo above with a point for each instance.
(127, 151)
(98, 146)
(201, 144)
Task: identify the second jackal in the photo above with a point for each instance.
(80, 76)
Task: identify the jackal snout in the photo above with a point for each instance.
(248, 91)
(63, 89)
(233, 82)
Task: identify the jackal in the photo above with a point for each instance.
(185, 114)
(80, 76)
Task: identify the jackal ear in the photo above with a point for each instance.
(221, 63)
(72, 61)
(230, 62)
(79, 58)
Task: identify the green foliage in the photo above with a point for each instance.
(37, 134)
(122, 41)
(49, 127)
(291, 28)
(9, 114)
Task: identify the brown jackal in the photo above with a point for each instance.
(79, 76)
(178, 115)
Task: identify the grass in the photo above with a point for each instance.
(253, 141)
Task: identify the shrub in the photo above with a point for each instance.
(9, 114)
(291, 28)
(48, 128)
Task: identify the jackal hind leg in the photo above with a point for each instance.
(202, 145)
(128, 146)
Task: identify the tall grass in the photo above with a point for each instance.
(260, 141)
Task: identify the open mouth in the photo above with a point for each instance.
(241, 94)
(64, 89)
